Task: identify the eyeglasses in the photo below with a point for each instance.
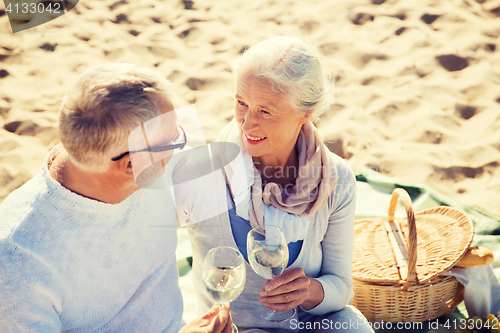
(180, 142)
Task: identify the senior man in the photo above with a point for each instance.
(78, 252)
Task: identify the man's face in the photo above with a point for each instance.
(160, 132)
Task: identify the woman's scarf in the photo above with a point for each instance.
(288, 208)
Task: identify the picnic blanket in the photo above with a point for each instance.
(373, 196)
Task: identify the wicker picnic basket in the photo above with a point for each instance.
(397, 275)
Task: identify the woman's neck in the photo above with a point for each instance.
(280, 171)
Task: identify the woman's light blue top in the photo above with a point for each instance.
(240, 228)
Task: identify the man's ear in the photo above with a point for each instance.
(125, 165)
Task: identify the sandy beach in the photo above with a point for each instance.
(418, 81)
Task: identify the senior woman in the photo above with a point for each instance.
(289, 178)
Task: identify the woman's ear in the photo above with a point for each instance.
(307, 115)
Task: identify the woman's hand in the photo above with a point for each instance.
(290, 289)
(216, 320)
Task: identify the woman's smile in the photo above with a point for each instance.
(269, 125)
(253, 140)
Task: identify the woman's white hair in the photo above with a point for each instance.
(102, 107)
(293, 68)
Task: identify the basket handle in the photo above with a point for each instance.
(412, 238)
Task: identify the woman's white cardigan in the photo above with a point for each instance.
(326, 252)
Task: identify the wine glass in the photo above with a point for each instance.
(268, 256)
(224, 274)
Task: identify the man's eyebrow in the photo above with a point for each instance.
(170, 138)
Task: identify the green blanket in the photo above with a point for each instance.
(373, 197)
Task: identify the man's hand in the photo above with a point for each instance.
(290, 289)
(216, 320)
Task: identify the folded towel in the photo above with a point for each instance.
(481, 289)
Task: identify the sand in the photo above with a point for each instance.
(419, 81)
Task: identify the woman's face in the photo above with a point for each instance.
(269, 125)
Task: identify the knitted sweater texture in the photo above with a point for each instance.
(72, 264)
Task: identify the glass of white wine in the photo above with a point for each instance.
(224, 274)
(268, 256)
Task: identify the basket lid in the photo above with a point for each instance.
(443, 235)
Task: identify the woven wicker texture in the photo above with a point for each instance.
(397, 262)
(420, 303)
(444, 235)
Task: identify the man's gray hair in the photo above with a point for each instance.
(293, 68)
(102, 106)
